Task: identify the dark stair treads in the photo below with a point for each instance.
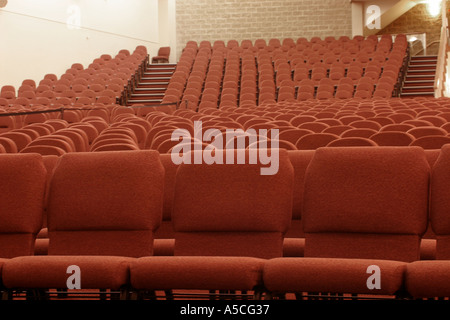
(152, 84)
(420, 76)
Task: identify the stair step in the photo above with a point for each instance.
(422, 62)
(422, 67)
(140, 95)
(162, 65)
(416, 94)
(414, 84)
(421, 71)
(150, 89)
(157, 74)
(418, 58)
(144, 79)
(145, 101)
(418, 89)
(419, 77)
(161, 73)
(151, 85)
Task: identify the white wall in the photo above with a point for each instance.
(167, 26)
(47, 36)
(360, 16)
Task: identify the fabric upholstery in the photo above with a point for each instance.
(170, 169)
(22, 191)
(428, 279)
(107, 203)
(219, 273)
(96, 272)
(331, 275)
(300, 161)
(216, 200)
(440, 203)
(371, 196)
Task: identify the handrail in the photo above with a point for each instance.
(62, 109)
(441, 64)
(428, 45)
(442, 56)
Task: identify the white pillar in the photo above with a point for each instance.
(357, 18)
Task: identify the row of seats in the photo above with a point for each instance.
(102, 82)
(360, 207)
(209, 76)
(309, 125)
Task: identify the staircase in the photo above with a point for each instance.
(152, 85)
(419, 80)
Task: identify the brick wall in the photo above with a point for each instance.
(253, 19)
(418, 20)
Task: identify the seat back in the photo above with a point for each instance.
(364, 202)
(231, 209)
(300, 160)
(165, 231)
(22, 192)
(106, 203)
(440, 203)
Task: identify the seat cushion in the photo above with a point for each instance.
(428, 249)
(2, 261)
(428, 279)
(331, 275)
(293, 247)
(97, 272)
(163, 247)
(202, 273)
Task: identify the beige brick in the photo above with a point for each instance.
(251, 19)
(418, 20)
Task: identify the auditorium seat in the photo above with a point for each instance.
(62, 142)
(352, 142)
(22, 197)
(315, 140)
(427, 131)
(41, 244)
(8, 144)
(20, 139)
(99, 226)
(353, 204)
(90, 130)
(294, 241)
(430, 279)
(44, 150)
(358, 132)
(222, 247)
(164, 235)
(431, 142)
(392, 138)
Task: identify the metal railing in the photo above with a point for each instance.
(442, 55)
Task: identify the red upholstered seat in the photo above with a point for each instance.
(294, 240)
(224, 216)
(363, 206)
(439, 208)
(164, 236)
(41, 244)
(205, 273)
(366, 202)
(22, 191)
(428, 279)
(43, 272)
(392, 138)
(97, 220)
(331, 275)
(249, 212)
